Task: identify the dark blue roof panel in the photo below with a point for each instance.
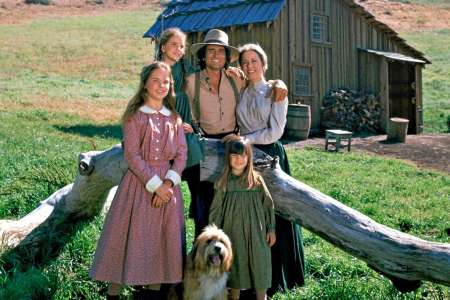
(193, 16)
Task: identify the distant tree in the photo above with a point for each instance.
(41, 2)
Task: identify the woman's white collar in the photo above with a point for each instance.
(148, 110)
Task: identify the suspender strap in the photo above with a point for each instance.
(235, 89)
(196, 108)
(237, 97)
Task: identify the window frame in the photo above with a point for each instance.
(295, 92)
(325, 29)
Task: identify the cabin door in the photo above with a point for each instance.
(402, 94)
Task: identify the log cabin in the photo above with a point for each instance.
(315, 46)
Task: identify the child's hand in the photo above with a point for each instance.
(164, 191)
(187, 128)
(157, 201)
(271, 238)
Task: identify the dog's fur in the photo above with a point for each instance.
(207, 266)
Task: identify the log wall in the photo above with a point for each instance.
(333, 64)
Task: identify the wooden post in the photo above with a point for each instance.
(419, 105)
(384, 93)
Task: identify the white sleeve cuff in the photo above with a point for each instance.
(248, 139)
(172, 175)
(153, 184)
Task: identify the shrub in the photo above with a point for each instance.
(41, 2)
(448, 123)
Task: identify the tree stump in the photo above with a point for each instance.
(397, 129)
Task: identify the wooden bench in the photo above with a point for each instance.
(336, 136)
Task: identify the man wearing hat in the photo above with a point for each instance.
(213, 97)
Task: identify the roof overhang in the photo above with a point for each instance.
(395, 56)
(201, 16)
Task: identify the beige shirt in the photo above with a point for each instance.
(217, 111)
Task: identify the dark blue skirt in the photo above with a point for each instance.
(288, 262)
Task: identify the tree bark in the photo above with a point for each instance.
(405, 259)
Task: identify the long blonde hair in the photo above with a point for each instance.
(141, 95)
(249, 177)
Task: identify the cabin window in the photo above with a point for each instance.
(302, 81)
(319, 28)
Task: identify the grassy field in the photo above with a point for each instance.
(63, 85)
(436, 84)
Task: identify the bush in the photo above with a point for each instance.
(95, 2)
(41, 2)
(448, 123)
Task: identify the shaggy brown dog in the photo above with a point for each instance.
(207, 266)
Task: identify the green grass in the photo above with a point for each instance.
(76, 58)
(91, 64)
(436, 84)
(403, 197)
(41, 157)
(94, 62)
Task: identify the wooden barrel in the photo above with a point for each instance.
(298, 122)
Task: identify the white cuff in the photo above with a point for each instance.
(153, 184)
(172, 175)
(248, 139)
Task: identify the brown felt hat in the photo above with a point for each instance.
(216, 37)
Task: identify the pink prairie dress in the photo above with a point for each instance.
(140, 244)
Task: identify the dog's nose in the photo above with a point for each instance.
(217, 249)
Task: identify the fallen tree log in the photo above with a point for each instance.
(405, 259)
(98, 172)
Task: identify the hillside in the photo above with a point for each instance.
(410, 15)
(401, 15)
(16, 11)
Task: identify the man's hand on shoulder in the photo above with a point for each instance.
(279, 90)
(236, 73)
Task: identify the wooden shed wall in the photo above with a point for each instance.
(337, 63)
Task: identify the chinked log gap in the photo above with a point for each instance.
(403, 258)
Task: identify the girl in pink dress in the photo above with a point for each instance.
(142, 241)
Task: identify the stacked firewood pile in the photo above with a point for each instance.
(347, 109)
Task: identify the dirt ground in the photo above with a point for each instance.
(425, 151)
(404, 17)
(16, 11)
(400, 16)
